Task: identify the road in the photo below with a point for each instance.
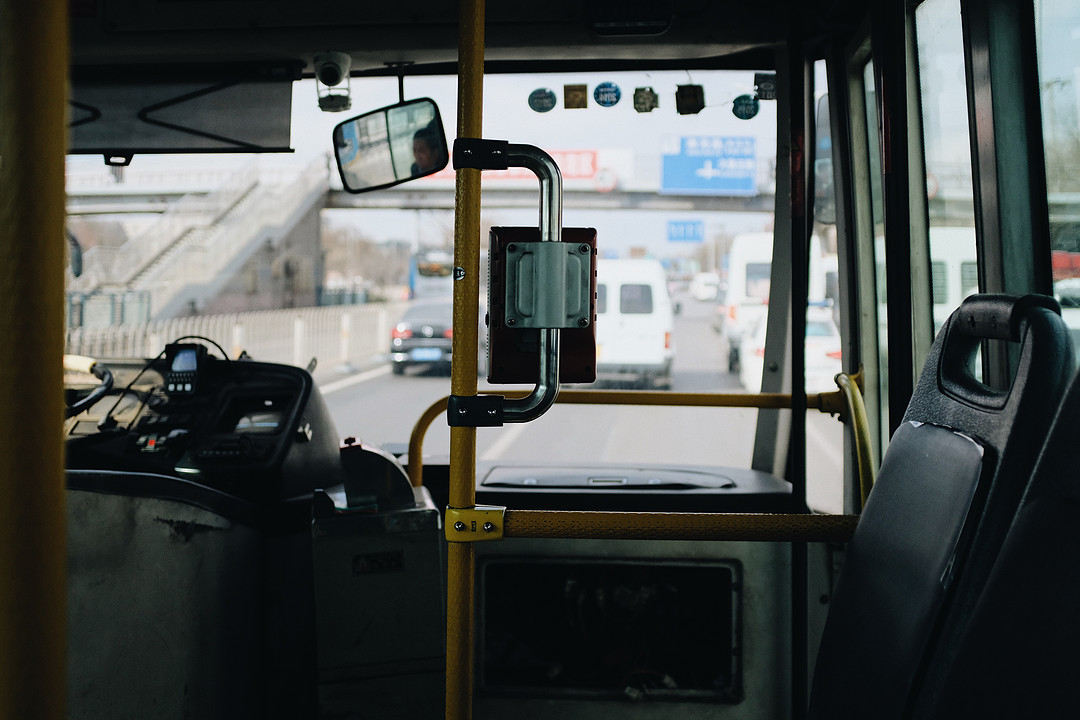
(379, 408)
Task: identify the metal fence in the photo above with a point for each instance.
(357, 335)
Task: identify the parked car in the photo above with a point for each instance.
(749, 279)
(1067, 292)
(720, 309)
(423, 337)
(704, 286)
(822, 353)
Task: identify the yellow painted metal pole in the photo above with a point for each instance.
(33, 592)
(460, 556)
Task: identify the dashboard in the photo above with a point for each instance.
(258, 431)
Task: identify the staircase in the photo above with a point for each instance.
(181, 257)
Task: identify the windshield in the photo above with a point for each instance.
(441, 311)
(334, 272)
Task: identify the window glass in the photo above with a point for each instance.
(822, 347)
(635, 299)
(435, 269)
(758, 277)
(873, 146)
(938, 281)
(1057, 33)
(949, 190)
(601, 298)
(969, 277)
(710, 182)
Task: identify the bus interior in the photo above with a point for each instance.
(223, 499)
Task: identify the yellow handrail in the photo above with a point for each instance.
(772, 527)
(572, 524)
(416, 440)
(850, 387)
(824, 402)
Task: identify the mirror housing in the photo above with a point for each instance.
(391, 145)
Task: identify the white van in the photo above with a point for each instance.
(954, 271)
(634, 322)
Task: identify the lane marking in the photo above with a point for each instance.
(332, 387)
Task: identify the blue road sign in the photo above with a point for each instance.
(691, 231)
(711, 165)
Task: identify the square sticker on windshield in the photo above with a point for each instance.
(575, 96)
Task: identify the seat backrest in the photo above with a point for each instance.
(171, 602)
(1016, 652)
(952, 477)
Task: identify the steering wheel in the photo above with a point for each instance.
(89, 366)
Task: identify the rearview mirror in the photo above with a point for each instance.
(390, 146)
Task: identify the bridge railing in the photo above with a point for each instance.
(357, 335)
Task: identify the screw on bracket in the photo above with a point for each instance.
(475, 411)
(464, 524)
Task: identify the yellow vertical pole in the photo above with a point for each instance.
(33, 82)
(460, 556)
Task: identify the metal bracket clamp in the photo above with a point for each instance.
(497, 155)
(481, 154)
(474, 411)
(475, 524)
(548, 285)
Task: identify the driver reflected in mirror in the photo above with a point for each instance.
(428, 150)
(390, 146)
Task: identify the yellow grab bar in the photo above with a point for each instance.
(825, 402)
(856, 411)
(772, 527)
(416, 440)
(560, 524)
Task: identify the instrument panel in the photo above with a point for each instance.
(256, 430)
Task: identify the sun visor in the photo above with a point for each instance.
(119, 120)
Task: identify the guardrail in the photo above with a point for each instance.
(343, 334)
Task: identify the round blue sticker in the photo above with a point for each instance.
(745, 107)
(606, 94)
(542, 99)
